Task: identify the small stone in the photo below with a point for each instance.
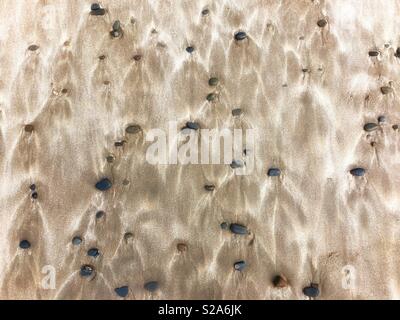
(279, 281)
(373, 144)
(100, 214)
(116, 25)
(236, 164)
(133, 129)
(240, 265)
(137, 57)
(76, 241)
(151, 286)
(224, 226)
(397, 53)
(274, 172)
(33, 47)
(125, 182)
(190, 49)
(97, 10)
(93, 252)
(209, 187)
(29, 128)
(381, 119)
(213, 81)
(102, 57)
(358, 172)
(373, 53)
(240, 36)
(103, 184)
(32, 187)
(95, 6)
(106, 82)
(386, 90)
(110, 158)
(238, 229)
(322, 23)
(34, 195)
(64, 91)
(128, 236)
(182, 247)
(119, 143)
(86, 270)
(205, 12)
(192, 125)
(24, 244)
(395, 127)
(237, 112)
(370, 127)
(211, 97)
(122, 291)
(311, 291)
(305, 70)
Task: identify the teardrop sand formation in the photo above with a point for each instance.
(80, 85)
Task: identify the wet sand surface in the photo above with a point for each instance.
(308, 76)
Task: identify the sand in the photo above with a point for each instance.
(307, 90)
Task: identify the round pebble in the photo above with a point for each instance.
(240, 265)
(33, 47)
(274, 172)
(358, 172)
(311, 291)
(236, 164)
(104, 184)
(86, 270)
(322, 23)
(213, 81)
(110, 158)
(373, 53)
(102, 57)
(192, 125)
(34, 195)
(125, 182)
(116, 25)
(386, 90)
(76, 241)
(93, 252)
(224, 226)
(133, 129)
(122, 291)
(24, 244)
(381, 119)
(32, 187)
(137, 57)
(190, 49)
(209, 187)
(238, 229)
(95, 6)
(205, 12)
(97, 10)
(182, 247)
(151, 286)
(279, 281)
(211, 97)
(240, 36)
(395, 127)
(370, 127)
(29, 128)
(100, 214)
(237, 112)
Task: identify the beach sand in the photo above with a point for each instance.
(305, 82)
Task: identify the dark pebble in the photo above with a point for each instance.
(205, 12)
(381, 119)
(322, 23)
(224, 226)
(32, 187)
(125, 182)
(213, 81)
(274, 172)
(240, 265)
(240, 36)
(236, 164)
(119, 143)
(95, 6)
(237, 112)
(76, 241)
(209, 187)
(100, 214)
(93, 252)
(110, 158)
(33, 47)
(373, 53)
(358, 172)
(128, 235)
(370, 127)
(133, 129)
(29, 128)
(116, 25)
(151, 286)
(192, 125)
(137, 57)
(182, 247)
(397, 53)
(211, 97)
(34, 195)
(311, 291)
(122, 291)
(103, 184)
(238, 229)
(386, 90)
(279, 281)
(395, 127)
(102, 57)
(190, 49)
(24, 244)
(86, 270)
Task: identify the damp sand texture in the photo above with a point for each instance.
(81, 84)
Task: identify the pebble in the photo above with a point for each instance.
(133, 129)
(100, 214)
(205, 12)
(240, 265)
(236, 164)
(182, 247)
(96, 10)
(211, 97)
(274, 172)
(381, 119)
(24, 244)
(373, 53)
(128, 235)
(95, 6)
(33, 47)
(29, 128)
(137, 57)
(238, 229)
(104, 184)
(102, 57)
(93, 252)
(32, 187)
(116, 25)
(86, 270)
(119, 143)
(209, 187)
(237, 112)
(386, 90)
(125, 182)
(34, 195)
(192, 125)
(311, 291)
(151, 286)
(190, 49)
(224, 226)
(76, 241)
(322, 23)
(110, 158)
(395, 127)
(279, 281)
(397, 53)
(358, 172)
(122, 291)
(370, 127)
(212, 82)
(240, 36)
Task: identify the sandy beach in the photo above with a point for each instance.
(81, 87)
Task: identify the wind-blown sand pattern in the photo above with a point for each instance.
(308, 77)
